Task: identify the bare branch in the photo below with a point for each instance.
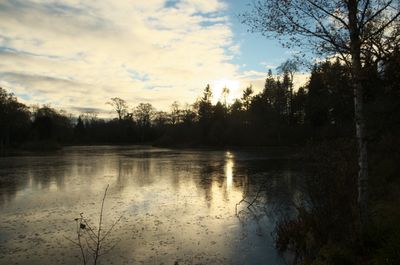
(328, 13)
(93, 240)
(72, 241)
(111, 228)
(377, 13)
(364, 12)
(384, 26)
(109, 249)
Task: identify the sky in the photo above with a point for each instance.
(76, 55)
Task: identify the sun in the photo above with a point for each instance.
(221, 94)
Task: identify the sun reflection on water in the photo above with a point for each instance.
(175, 205)
(229, 164)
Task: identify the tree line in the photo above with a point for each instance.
(279, 115)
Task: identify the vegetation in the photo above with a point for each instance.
(360, 33)
(91, 240)
(278, 115)
(261, 119)
(318, 116)
(351, 213)
(364, 35)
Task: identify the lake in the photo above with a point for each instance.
(177, 206)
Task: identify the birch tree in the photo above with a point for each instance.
(360, 32)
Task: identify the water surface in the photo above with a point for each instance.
(176, 205)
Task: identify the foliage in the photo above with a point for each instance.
(330, 99)
(361, 33)
(326, 228)
(14, 119)
(278, 115)
(50, 124)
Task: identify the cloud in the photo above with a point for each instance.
(202, 6)
(268, 66)
(77, 54)
(254, 74)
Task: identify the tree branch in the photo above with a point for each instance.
(328, 13)
(364, 12)
(382, 28)
(377, 13)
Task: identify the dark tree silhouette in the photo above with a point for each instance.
(205, 111)
(50, 124)
(360, 32)
(289, 68)
(175, 115)
(144, 114)
(120, 107)
(247, 97)
(14, 119)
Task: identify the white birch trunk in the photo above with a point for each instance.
(359, 117)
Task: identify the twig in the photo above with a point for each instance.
(96, 256)
(93, 237)
(249, 203)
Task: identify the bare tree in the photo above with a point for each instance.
(225, 95)
(144, 114)
(120, 106)
(175, 115)
(360, 32)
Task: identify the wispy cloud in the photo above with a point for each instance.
(77, 54)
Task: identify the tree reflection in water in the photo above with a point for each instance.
(179, 204)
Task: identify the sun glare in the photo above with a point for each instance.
(229, 95)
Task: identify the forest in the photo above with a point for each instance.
(318, 118)
(342, 125)
(345, 120)
(277, 116)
